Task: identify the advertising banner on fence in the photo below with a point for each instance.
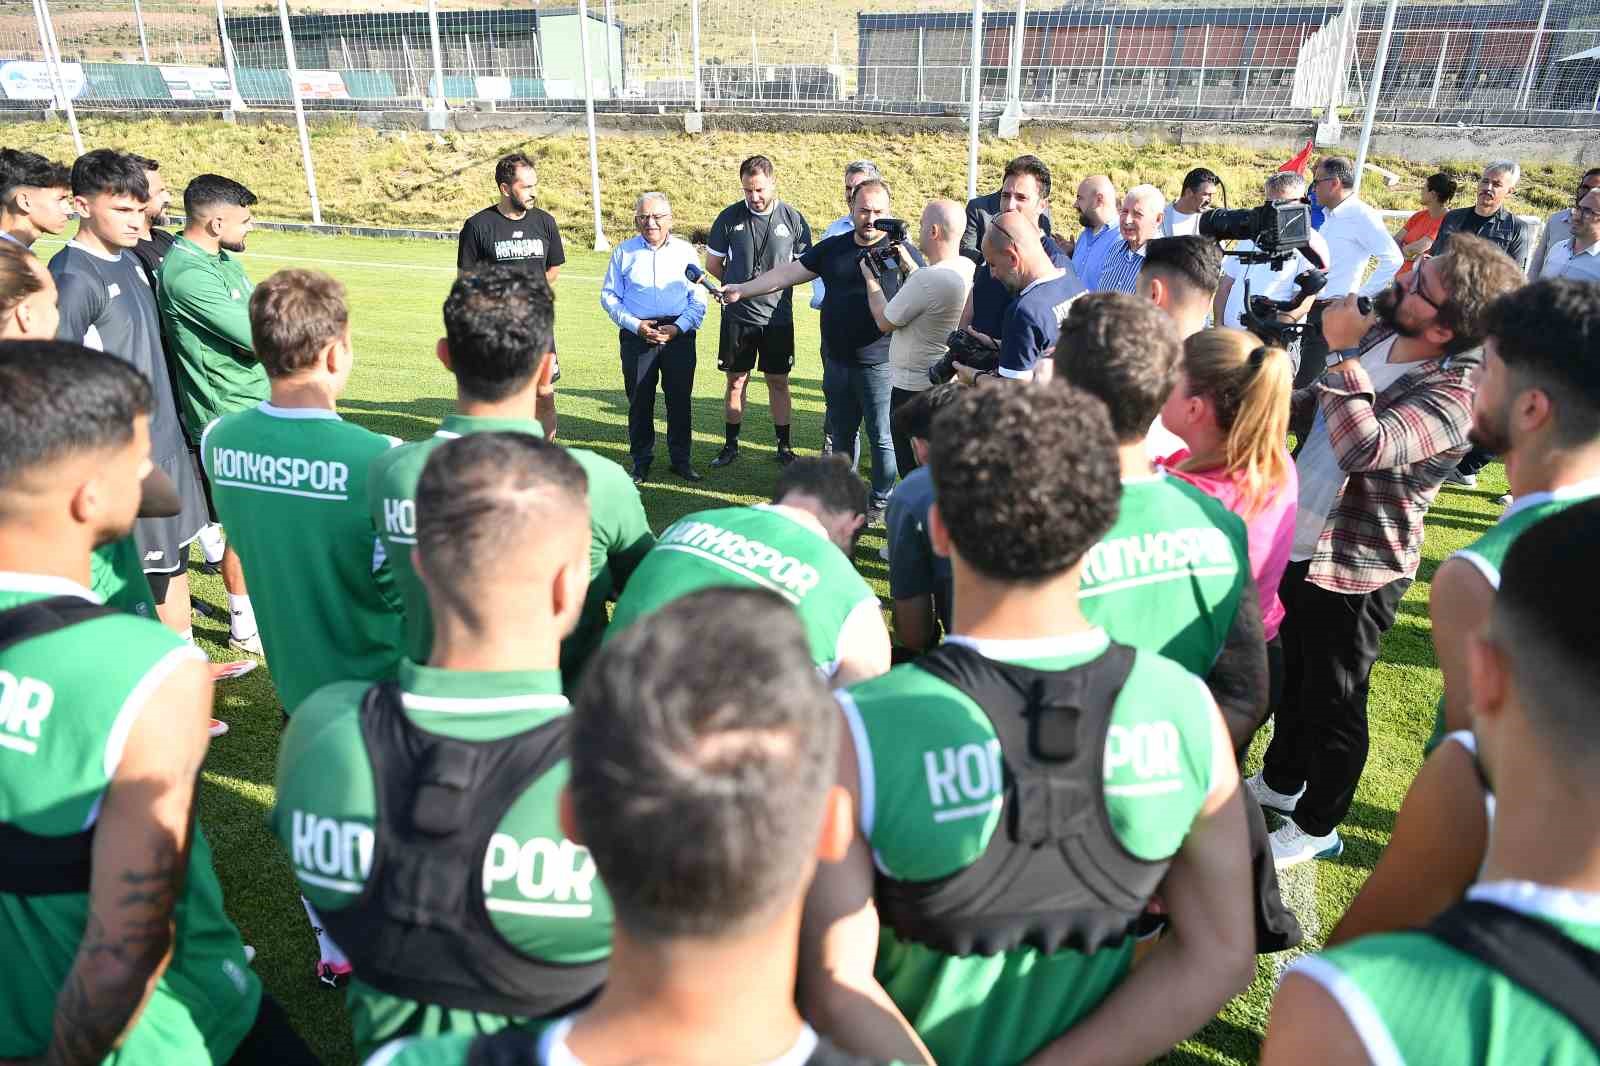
(25, 80)
(196, 83)
(322, 85)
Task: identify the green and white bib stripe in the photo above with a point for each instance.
(69, 700)
(619, 533)
(1489, 551)
(780, 549)
(1169, 574)
(542, 891)
(116, 575)
(290, 484)
(1413, 999)
(931, 781)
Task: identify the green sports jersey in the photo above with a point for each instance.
(1488, 552)
(205, 316)
(619, 533)
(291, 486)
(1169, 574)
(541, 888)
(931, 779)
(1413, 999)
(765, 546)
(116, 575)
(67, 702)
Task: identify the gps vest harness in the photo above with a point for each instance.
(1054, 874)
(33, 865)
(439, 802)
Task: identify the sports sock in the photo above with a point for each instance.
(327, 950)
(242, 615)
(732, 432)
(212, 544)
(783, 437)
(187, 635)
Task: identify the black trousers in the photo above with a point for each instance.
(1330, 641)
(1474, 461)
(272, 1041)
(643, 365)
(905, 457)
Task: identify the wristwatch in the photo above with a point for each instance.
(1335, 358)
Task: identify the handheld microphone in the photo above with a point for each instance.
(700, 277)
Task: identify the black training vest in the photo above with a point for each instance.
(32, 865)
(1054, 874)
(439, 802)
(513, 1047)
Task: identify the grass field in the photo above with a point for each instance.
(395, 291)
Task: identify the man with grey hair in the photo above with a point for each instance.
(1273, 280)
(1138, 221)
(657, 311)
(1355, 233)
(1488, 217)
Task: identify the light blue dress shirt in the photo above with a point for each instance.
(1089, 254)
(644, 282)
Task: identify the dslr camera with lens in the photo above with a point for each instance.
(885, 253)
(1277, 229)
(968, 351)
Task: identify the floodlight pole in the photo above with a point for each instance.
(694, 45)
(1373, 91)
(299, 112)
(439, 104)
(58, 76)
(600, 242)
(975, 114)
(1533, 56)
(144, 45)
(236, 99)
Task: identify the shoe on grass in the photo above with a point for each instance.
(728, 454)
(250, 645)
(332, 975)
(1292, 846)
(1270, 798)
(217, 728)
(1456, 477)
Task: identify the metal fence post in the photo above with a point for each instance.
(1340, 77)
(438, 103)
(236, 99)
(144, 45)
(1205, 56)
(1374, 90)
(1014, 60)
(1533, 56)
(975, 115)
(299, 112)
(1438, 71)
(694, 46)
(600, 242)
(58, 77)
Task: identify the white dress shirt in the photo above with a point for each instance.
(1355, 233)
(1562, 262)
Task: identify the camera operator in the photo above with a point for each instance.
(1027, 190)
(1272, 280)
(923, 313)
(1043, 292)
(855, 353)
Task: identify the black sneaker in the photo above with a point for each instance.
(640, 473)
(786, 456)
(728, 454)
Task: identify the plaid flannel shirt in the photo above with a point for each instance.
(1396, 448)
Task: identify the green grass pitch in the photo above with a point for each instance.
(395, 291)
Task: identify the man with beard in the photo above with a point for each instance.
(1097, 213)
(204, 297)
(1379, 432)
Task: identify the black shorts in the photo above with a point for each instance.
(744, 347)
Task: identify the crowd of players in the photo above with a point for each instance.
(1028, 842)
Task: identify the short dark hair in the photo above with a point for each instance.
(1125, 351)
(1198, 177)
(18, 277)
(499, 322)
(57, 399)
(1032, 165)
(1027, 480)
(871, 183)
(756, 164)
(478, 493)
(914, 418)
(108, 171)
(1543, 620)
(1547, 334)
(830, 478)
(1587, 174)
(505, 171)
(29, 170)
(292, 315)
(210, 190)
(1476, 272)
(1195, 262)
(704, 745)
(1337, 166)
(144, 161)
(1443, 186)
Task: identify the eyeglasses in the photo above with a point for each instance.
(1585, 212)
(1416, 288)
(658, 219)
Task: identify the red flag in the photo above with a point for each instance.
(1298, 163)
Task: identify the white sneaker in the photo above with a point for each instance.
(1292, 846)
(250, 645)
(217, 728)
(1270, 798)
(1456, 477)
(1505, 500)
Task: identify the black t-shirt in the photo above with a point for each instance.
(849, 332)
(751, 244)
(990, 298)
(152, 251)
(532, 241)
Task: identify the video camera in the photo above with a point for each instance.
(885, 253)
(966, 350)
(1277, 230)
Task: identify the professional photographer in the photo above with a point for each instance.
(1274, 280)
(923, 313)
(855, 361)
(1043, 292)
(1027, 190)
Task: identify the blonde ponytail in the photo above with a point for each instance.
(1248, 384)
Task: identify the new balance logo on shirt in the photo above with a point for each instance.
(25, 703)
(1149, 558)
(325, 479)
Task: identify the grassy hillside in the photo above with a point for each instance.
(435, 180)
